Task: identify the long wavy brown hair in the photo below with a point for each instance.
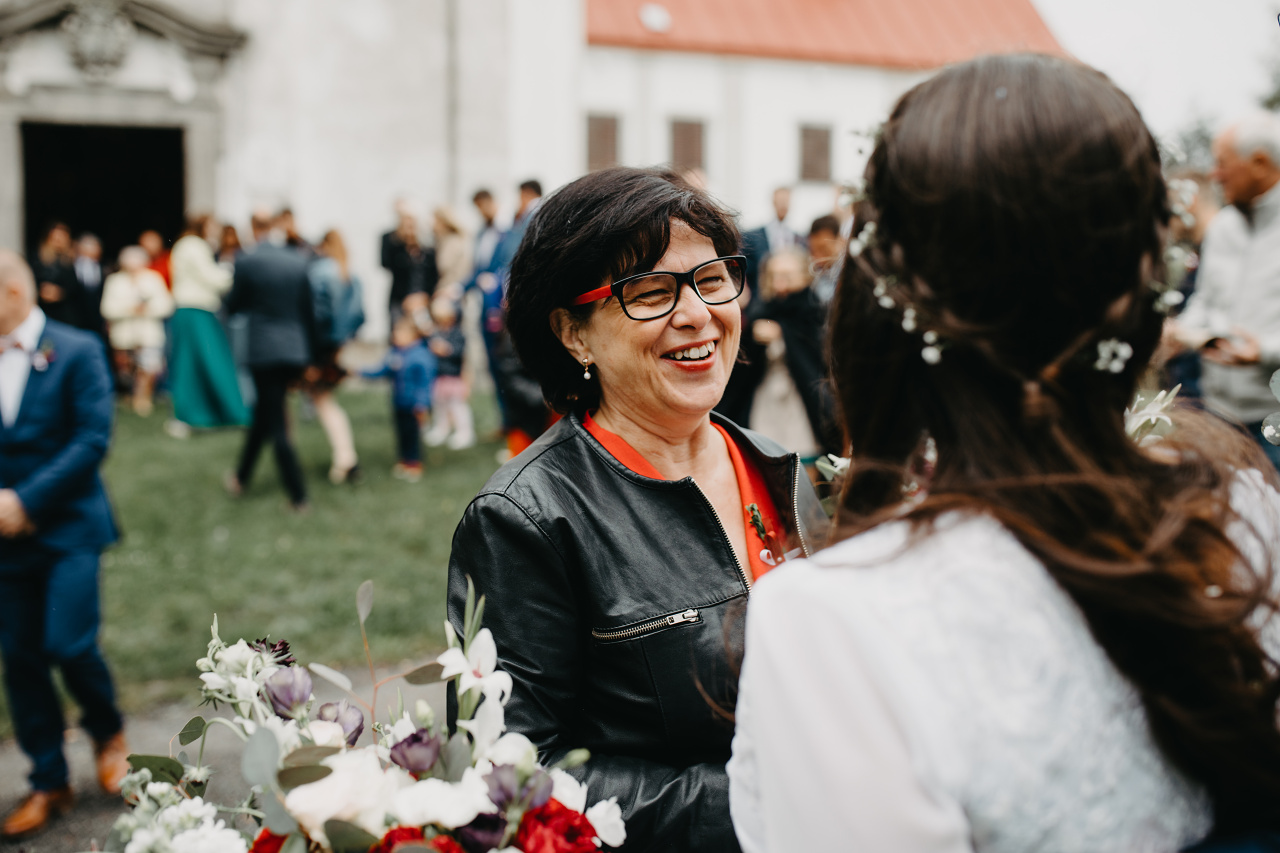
(1019, 210)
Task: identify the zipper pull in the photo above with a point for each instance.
(687, 616)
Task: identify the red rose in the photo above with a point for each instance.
(553, 828)
(395, 837)
(266, 842)
(445, 844)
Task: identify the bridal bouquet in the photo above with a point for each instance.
(417, 787)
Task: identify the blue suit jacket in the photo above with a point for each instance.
(51, 453)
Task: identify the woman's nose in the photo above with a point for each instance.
(690, 310)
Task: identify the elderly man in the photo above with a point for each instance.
(55, 425)
(1234, 316)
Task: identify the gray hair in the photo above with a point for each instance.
(1257, 132)
(13, 269)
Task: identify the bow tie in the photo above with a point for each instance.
(8, 342)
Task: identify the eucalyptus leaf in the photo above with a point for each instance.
(574, 758)
(330, 675)
(182, 757)
(468, 610)
(292, 777)
(258, 763)
(308, 755)
(364, 600)
(1275, 384)
(192, 731)
(347, 837)
(279, 821)
(162, 767)
(410, 848)
(426, 674)
(295, 843)
(115, 842)
(196, 789)
(457, 757)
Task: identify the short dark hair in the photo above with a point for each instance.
(481, 195)
(534, 186)
(602, 227)
(826, 223)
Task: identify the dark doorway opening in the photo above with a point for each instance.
(114, 181)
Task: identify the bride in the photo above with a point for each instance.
(1051, 638)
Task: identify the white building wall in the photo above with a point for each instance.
(752, 111)
(336, 108)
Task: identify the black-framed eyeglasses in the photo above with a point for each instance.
(651, 295)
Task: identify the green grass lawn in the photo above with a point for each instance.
(188, 550)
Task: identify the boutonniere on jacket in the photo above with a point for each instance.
(42, 357)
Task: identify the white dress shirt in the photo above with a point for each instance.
(945, 695)
(15, 365)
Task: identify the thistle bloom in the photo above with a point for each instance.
(289, 691)
(351, 720)
(418, 752)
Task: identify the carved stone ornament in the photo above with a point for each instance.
(99, 34)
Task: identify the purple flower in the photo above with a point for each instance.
(482, 834)
(503, 785)
(538, 788)
(289, 691)
(351, 720)
(418, 752)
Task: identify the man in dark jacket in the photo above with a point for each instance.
(412, 265)
(55, 425)
(271, 288)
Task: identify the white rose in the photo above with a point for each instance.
(213, 681)
(402, 728)
(515, 749)
(357, 791)
(450, 805)
(237, 659)
(326, 733)
(606, 819)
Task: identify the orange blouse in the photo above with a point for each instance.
(763, 523)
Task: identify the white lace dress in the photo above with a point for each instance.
(945, 696)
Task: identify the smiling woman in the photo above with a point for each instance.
(616, 551)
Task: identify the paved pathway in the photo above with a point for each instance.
(95, 811)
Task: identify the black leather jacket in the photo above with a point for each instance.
(615, 600)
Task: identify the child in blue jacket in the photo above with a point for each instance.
(412, 369)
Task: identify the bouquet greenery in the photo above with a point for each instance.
(418, 786)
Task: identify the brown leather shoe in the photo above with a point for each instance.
(113, 762)
(35, 812)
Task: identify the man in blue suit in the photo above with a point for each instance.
(55, 425)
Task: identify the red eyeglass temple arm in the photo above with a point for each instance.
(593, 295)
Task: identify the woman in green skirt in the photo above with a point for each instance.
(202, 373)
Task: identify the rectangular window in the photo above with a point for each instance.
(815, 154)
(686, 145)
(602, 142)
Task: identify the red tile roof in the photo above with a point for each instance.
(896, 33)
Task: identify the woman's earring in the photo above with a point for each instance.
(586, 368)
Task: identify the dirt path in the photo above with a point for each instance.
(90, 821)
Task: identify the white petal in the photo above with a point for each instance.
(453, 662)
(497, 686)
(484, 653)
(486, 727)
(435, 801)
(569, 791)
(606, 819)
(517, 750)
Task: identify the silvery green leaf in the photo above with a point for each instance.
(258, 764)
(330, 675)
(279, 821)
(457, 757)
(162, 767)
(1271, 428)
(306, 755)
(347, 837)
(425, 674)
(292, 777)
(115, 842)
(192, 731)
(295, 843)
(1275, 384)
(364, 600)
(574, 758)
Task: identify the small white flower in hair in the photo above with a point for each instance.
(931, 354)
(909, 320)
(1113, 354)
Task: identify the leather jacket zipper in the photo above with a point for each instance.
(690, 615)
(795, 502)
(742, 573)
